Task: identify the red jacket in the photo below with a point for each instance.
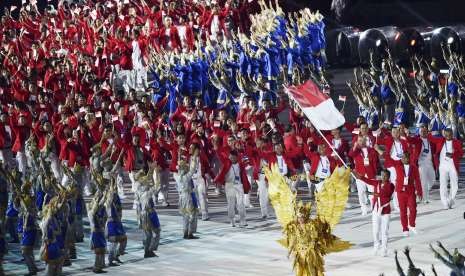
(173, 38)
(388, 142)
(456, 145)
(369, 170)
(226, 166)
(418, 148)
(414, 184)
(383, 192)
(130, 157)
(315, 160)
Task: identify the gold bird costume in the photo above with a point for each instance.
(308, 239)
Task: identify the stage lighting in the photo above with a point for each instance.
(460, 30)
(445, 36)
(409, 43)
(378, 41)
(342, 46)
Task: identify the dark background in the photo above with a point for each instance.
(376, 13)
(366, 13)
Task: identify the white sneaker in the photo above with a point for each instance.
(451, 204)
(405, 234)
(385, 253)
(364, 212)
(413, 230)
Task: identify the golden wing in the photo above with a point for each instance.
(331, 201)
(281, 196)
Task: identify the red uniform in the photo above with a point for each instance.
(382, 194)
(408, 185)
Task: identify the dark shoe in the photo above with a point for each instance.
(118, 260)
(186, 236)
(192, 237)
(67, 263)
(149, 254)
(113, 264)
(98, 271)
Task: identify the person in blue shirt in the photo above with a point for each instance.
(97, 219)
(28, 230)
(50, 250)
(115, 231)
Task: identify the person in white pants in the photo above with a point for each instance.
(263, 195)
(366, 163)
(234, 175)
(200, 184)
(381, 215)
(450, 151)
(425, 163)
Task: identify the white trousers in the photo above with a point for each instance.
(134, 188)
(380, 230)
(448, 175)
(393, 178)
(362, 188)
(21, 159)
(164, 186)
(235, 198)
(55, 166)
(263, 194)
(427, 176)
(201, 189)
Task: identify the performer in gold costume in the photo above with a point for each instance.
(308, 237)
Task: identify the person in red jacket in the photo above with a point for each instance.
(395, 147)
(234, 175)
(21, 130)
(199, 179)
(449, 151)
(423, 157)
(381, 215)
(135, 159)
(408, 186)
(366, 164)
(321, 168)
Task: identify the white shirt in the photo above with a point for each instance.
(136, 55)
(425, 154)
(337, 143)
(447, 148)
(234, 174)
(397, 151)
(281, 164)
(215, 25)
(182, 34)
(323, 170)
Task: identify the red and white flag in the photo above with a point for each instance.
(342, 98)
(318, 107)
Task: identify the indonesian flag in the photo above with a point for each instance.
(318, 107)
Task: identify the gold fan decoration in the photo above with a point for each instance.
(308, 239)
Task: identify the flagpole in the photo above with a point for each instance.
(321, 134)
